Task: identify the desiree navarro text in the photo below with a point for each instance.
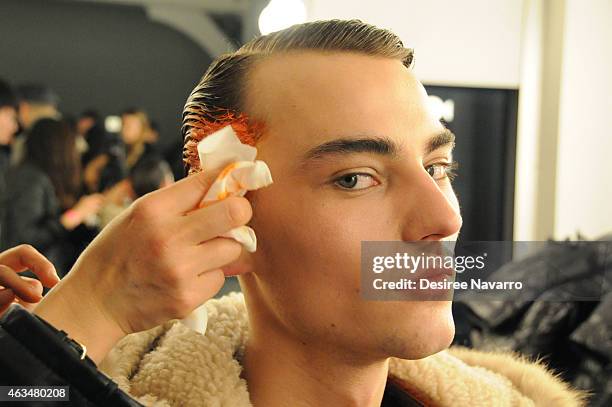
(426, 284)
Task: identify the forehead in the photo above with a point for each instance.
(319, 96)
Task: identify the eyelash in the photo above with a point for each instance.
(450, 172)
(350, 175)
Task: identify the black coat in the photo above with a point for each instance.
(31, 213)
(5, 155)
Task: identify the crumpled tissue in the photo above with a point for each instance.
(238, 172)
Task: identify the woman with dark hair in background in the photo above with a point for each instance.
(43, 206)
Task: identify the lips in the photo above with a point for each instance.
(435, 273)
(442, 272)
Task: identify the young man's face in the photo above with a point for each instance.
(311, 221)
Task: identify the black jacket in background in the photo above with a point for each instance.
(5, 158)
(31, 214)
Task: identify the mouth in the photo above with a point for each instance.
(436, 287)
(436, 274)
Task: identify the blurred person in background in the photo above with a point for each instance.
(173, 154)
(137, 135)
(104, 161)
(148, 175)
(106, 171)
(36, 102)
(8, 128)
(8, 122)
(153, 134)
(86, 120)
(44, 189)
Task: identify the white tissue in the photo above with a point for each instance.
(222, 152)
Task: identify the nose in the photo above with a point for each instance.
(433, 213)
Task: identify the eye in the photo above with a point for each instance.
(356, 181)
(440, 171)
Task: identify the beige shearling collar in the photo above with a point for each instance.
(172, 365)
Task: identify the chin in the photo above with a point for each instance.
(426, 335)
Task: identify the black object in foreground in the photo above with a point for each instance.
(34, 353)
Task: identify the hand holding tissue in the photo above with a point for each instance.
(238, 172)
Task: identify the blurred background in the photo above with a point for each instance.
(525, 85)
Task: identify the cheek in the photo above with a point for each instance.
(309, 236)
(307, 259)
(316, 235)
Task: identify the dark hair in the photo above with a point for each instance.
(115, 169)
(51, 146)
(221, 88)
(7, 96)
(134, 110)
(37, 94)
(148, 174)
(90, 114)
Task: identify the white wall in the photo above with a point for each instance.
(464, 43)
(584, 165)
(528, 127)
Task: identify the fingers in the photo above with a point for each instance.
(21, 287)
(236, 268)
(214, 220)
(6, 299)
(197, 277)
(213, 254)
(181, 303)
(184, 195)
(25, 257)
(36, 285)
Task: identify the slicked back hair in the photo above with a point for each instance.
(219, 96)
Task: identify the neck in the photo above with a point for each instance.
(283, 371)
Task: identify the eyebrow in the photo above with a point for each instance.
(377, 145)
(441, 139)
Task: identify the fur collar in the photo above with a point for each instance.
(171, 365)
